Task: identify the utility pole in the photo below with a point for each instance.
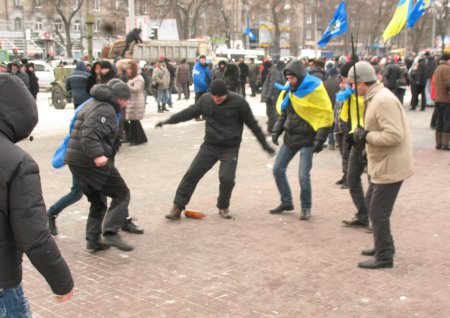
(131, 14)
(89, 20)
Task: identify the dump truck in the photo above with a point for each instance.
(151, 50)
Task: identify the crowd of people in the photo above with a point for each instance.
(356, 106)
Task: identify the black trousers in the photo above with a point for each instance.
(115, 188)
(272, 116)
(417, 90)
(183, 88)
(380, 202)
(137, 133)
(356, 165)
(443, 117)
(243, 87)
(206, 158)
(344, 148)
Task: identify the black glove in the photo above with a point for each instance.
(275, 138)
(269, 150)
(160, 124)
(359, 136)
(318, 146)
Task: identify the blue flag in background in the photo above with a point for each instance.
(417, 11)
(250, 34)
(337, 26)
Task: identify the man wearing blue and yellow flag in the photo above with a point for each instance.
(305, 118)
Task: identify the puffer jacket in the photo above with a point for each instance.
(297, 132)
(201, 76)
(136, 104)
(223, 123)
(389, 147)
(77, 83)
(183, 73)
(161, 77)
(231, 76)
(23, 217)
(95, 129)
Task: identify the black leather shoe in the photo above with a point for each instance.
(375, 264)
(130, 227)
(116, 241)
(225, 213)
(174, 214)
(340, 181)
(52, 225)
(305, 214)
(355, 222)
(369, 252)
(96, 246)
(281, 208)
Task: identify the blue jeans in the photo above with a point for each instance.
(13, 303)
(284, 156)
(70, 198)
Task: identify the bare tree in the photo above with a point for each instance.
(442, 11)
(66, 9)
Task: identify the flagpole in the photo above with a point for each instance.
(354, 58)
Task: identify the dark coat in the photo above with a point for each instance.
(231, 76)
(223, 123)
(183, 73)
(133, 36)
(421, 73)
(23, 217)
(314, 71)
(245, 71)
(95, 129)
(297, 132)
(34, 82)
(77, 83)
(269, 93)
(391, 75)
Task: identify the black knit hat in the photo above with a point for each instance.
(106, 64)
(345, 68)
(218, 88)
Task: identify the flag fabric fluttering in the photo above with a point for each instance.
(338, 25)
(417, 11)
(250, 34)
(398, 20)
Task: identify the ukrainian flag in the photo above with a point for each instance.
(398, 20)
(310, 101)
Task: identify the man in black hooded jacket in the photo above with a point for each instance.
(90, 156)
(23, 220)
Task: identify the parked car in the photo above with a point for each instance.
(44, 73)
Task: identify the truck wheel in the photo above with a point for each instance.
(58, 99)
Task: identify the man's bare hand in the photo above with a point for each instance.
(100, 161)
(65, 297)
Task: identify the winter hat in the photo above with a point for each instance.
(365, 73)
(16, 62)
(345, 68)
(218, 88)
(106, 64)
(120, 89)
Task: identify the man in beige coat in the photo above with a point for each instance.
(389, 152)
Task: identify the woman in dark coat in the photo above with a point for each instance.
(94, 78)
(34, 85)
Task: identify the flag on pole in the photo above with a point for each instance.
(250, 34)
(398, 20)
(417, 11)
(337, 26)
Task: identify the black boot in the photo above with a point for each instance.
(305, 214)
(96, 245)
(130, 227)
(164, 108)
(174, 214)
(52, 225)
(225, 213)
(160, 110)
(281, 208)
(375, 264)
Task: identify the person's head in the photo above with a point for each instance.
(182, 61)
(105, 67)
(446, 58)
(294, 73)
(121, 91)
(3, 68)
(202, 59)
(131, 69)
(162, 63)
(365, 77)
(15, 66)
(252, 60)
(241, 60)
(319, 63)
(219, 91)
(222, 65)
(30, 67)
(95, 68)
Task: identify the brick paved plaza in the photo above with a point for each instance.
(257, 265)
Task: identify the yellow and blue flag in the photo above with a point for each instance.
(417, 11)
(337, 26)
(398, 20)
(310, 101)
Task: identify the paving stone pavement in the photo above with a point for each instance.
(256, 265)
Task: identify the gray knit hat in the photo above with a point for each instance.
(120, 89)
(365, 73)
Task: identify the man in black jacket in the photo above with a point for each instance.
(90, 156)
(23, 221)
(132, 36)
(244, 72)
(225, 114)
(77, 83)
